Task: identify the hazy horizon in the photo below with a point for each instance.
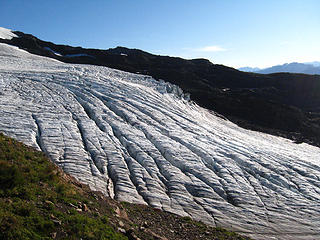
(313, 63)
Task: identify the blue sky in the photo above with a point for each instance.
(233, 32)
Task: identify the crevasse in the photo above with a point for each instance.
(140, 140)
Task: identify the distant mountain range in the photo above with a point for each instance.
(294, 67)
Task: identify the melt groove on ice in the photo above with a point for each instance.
(140, 140)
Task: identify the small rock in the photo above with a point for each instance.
(71, 205)
(121, 224)
(117, 210)
(54, 235)
(49, 202)
(79, 210)
(142, 228)
(121, 213)
(145, 224)
(85, 207)
(122, 230)
(57, 222)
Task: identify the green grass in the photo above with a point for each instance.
(35, 199)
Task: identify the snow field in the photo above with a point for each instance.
(140, 140)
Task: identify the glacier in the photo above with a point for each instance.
(143, 141)
(6, 34)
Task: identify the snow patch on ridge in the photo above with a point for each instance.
(68, 55)
(78, 55)
(6, 34)
(54, 52)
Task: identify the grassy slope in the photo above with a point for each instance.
(39, 201)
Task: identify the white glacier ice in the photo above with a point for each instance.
(140, 140)
(6, 33)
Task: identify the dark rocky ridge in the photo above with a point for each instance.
(283, 104)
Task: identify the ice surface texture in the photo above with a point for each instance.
(139, 140)
(6, 33)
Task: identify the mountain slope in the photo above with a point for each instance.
(294, 67)
(314, 63)
(140, 140)
(282, 104)
(39, 201)
(249, 69)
